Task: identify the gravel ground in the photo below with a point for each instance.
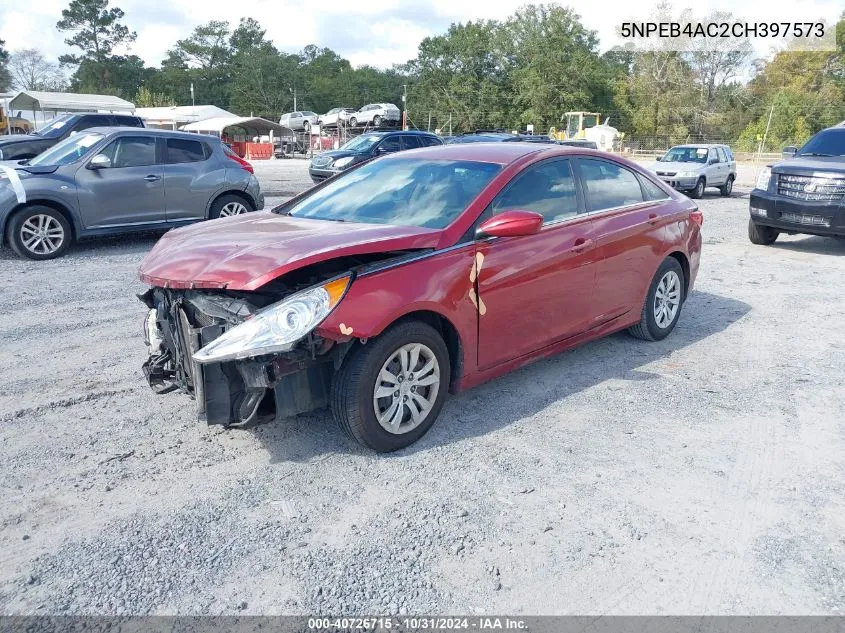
(699, 475)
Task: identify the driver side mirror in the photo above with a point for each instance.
(789, 151)
(100, 161)
(511, 224)
(381, 150)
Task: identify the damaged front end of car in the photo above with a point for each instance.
(248, 357)
(245, 357)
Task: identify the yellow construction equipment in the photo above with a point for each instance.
(17, 124)
(587, 126)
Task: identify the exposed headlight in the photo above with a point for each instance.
(343, 162)
(278, 327)
(763, 178)
(687, 174)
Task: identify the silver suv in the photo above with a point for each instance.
(691, 168)
(104, 181)
(375, 114)
(300, 120)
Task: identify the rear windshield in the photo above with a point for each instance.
(404, 192)
(825, 143)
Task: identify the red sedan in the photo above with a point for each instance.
(422, 272)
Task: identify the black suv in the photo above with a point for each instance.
(366, 147)
(25, 146)
(803, 194)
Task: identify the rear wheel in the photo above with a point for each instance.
(699, 189)
(389, 392)
(762, 235)
(726, 189)
(663, 303)
(226, 206)
(39, 232)
(353, 122)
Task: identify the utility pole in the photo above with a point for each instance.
(404, 106)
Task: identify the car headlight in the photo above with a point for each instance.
(763, 178)
(688, 174)
(343, 162)
(278, 327)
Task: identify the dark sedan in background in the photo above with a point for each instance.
(120, 180)
(366, 147)
(804, 194)
(25, 146)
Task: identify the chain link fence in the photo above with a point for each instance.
(743, 149)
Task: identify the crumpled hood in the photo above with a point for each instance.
(247, 251)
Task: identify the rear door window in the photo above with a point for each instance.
(722, 157)
(184, 151)
(652, 191)
(390, 144)
(409, 141)
(608, 185)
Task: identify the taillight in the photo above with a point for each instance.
(697, 217)
(240, 161)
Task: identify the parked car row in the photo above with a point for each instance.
(372, 114)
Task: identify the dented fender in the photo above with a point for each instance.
(443, 283)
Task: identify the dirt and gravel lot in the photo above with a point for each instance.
(699, 475)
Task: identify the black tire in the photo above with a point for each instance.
(699, 189)
(648, 329)
(726, 189)
(762, 235)
(376, 121)
(353, 122)
(16, 232)
(306, 126)
(218, 205)
(353, 386)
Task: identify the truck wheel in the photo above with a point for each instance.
(726, 189)
(389, 392)
(762, 235)
(39, 232)
(699, 189)
(663, 303)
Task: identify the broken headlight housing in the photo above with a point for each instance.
(278, 327)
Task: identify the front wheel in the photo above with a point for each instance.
(39, 232)
(377, 121)
(389, 392)
(699, 189)
(353, 122)
(761, 235)
(663, 303)
(227, 206)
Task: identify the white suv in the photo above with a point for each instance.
(336, 116)
(302, 120)
(376, 114)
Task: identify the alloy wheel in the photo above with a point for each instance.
(42, 234)
(232, 208)
(667, 299)
(406, 388)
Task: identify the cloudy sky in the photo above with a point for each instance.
(377, 32)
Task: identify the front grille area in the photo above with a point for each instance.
(800, 218)
(816, 188)
(666, 173)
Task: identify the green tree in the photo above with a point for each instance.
(97, 30)
(204, 59)
(144, 98)
(5, 78)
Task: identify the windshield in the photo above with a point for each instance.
(686, 155)
(54, 127)
(362, 143)
(404, 192)
(309, 113)
(67, 151)
(825, 143)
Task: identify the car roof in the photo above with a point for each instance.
(392, 132)
(150, 131)
(693, 145)
(499, 153)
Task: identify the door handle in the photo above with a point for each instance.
(152, 178)
(652, 218)
(581, 244)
